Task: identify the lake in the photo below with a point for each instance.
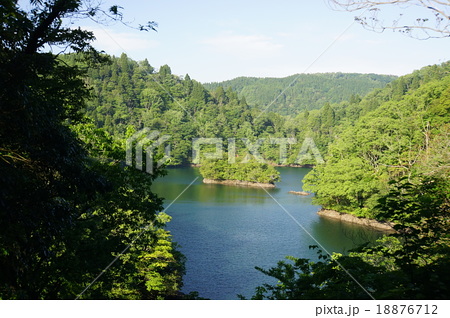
(225, 231)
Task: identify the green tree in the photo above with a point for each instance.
(250, 171)
(43, 174)
(328, 117)
(67, 205)
(125, 215)
(346, 186)
(397, 138)
(165, 71)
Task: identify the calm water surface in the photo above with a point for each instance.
(225, 231)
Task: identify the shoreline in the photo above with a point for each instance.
(299, 193)
(239, 183)
(384, 226)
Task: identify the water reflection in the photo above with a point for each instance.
(340, 237)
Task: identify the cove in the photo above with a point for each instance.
(225, 231)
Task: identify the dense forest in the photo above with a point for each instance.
(251, 171)
(400, 131)
(129, 93)
(293, 94)
(69, 205)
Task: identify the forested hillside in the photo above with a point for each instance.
(293, 94)
(132, 94)
(400, 131)
(129, 93)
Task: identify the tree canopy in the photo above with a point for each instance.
(67, 204)
(251, 171)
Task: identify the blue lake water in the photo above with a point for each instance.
(225, 231)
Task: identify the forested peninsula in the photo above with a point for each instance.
(400, 133)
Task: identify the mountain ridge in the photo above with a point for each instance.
(299, 92)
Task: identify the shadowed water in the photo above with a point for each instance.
(225, 231)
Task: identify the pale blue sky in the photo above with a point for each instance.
(220, 40)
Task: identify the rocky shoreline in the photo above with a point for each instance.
(345, 217)
(239, 183)
(299, 193)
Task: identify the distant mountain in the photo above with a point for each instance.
(296, 93)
